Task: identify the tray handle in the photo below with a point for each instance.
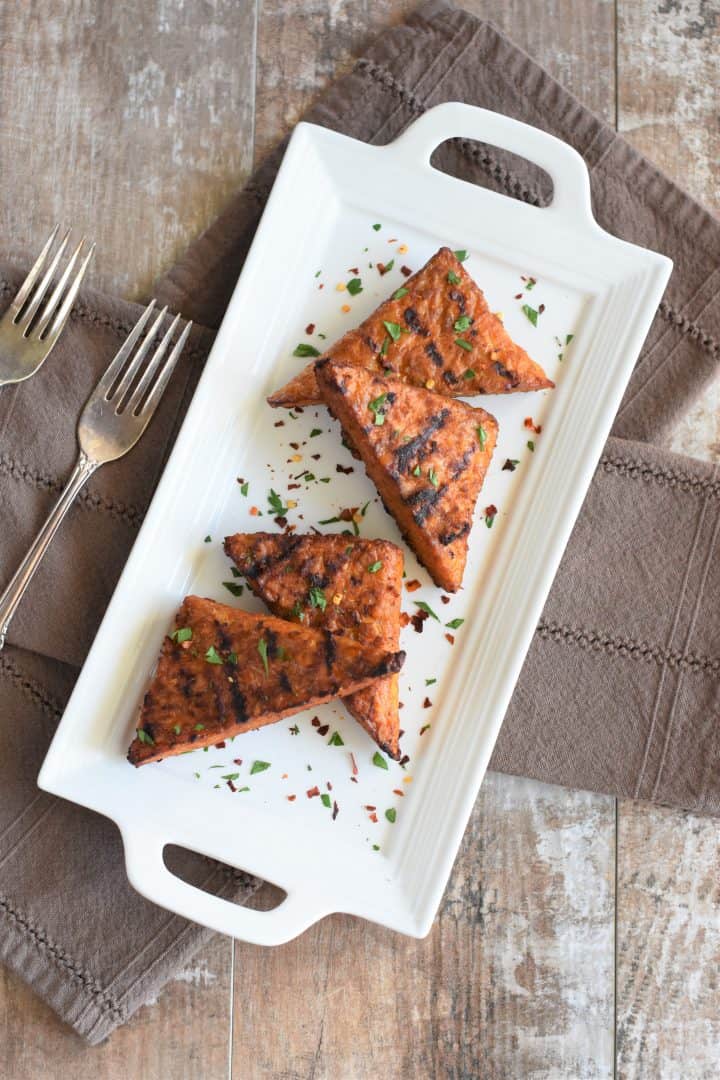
(568, 171)
(148, 874)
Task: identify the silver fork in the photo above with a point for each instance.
(28, 334)
(115, 416)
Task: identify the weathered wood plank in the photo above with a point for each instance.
(132, 122)
(515, 979)
(184, 1035)
(668, 930)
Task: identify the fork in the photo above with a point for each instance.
(28, 334)
(115, 416)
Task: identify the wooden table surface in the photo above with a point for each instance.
(579, 936)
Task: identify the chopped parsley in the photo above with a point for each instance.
(463, 344)
(394, 329)
(468, 374)
(452, 277)
(177, 729)
(388, 267)
(374, 567)
(427, 609)
(297, 608)
(568, 338)
(462, 324)
(184, 633)
(335, 739)
(433, 477)
(460, 255)
(207, 539)
(233, 587)
(200, 727)
(375, 408)
(430, 682)
(385, 346)
(377, 228)
(354, 286)
(235, 572)
(230, 776)
(315, 431)
(245, 487)
(531, 446)
(531, 313)
(259, 766)
(511, 464)
(399, 293)
(391, 815)
(482, 436)
(145, 737)
(213, 656)
(417, 470)
(317, 598)
(453, 625)
(305, 349)
(276, 505)
(379, 760)
(294, 730)
(325, 800)
(262, 649)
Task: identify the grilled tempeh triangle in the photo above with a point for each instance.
(348, 585)
(237, 672)
(416, 338)
(426, 454)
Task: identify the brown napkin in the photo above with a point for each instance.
(621, 687)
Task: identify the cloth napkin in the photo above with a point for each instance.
(620, 691)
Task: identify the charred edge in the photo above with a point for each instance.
(447, 538)
(450, 378)
(505, 374)
(329, 649)
(413, 322)
(432, 351)
(326, 377)
(390, 665)
(404, 454)
(258, 567)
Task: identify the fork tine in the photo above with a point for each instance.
(166, 371)
(66, 306)
(24, 290)
(116, 365)
(39, 293)
(150, 369)
(58, 291)
(134, 366)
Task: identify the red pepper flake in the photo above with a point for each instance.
(404, 759)
(336, 810)
(323, 730)
(254, 511)
(518, 297)
(417, 620)
(397, 791)
(444, 599)
(279, 423)
(427, 703)
(510, 465)
(284, 776)
(310, 328)
(382, 269)
(346, 469)
(424, 728)
(393, 240)
(312, 792)
(353, 270)
(291, 798)
(316, 457)
(321, 286)
(401, 705)
(329, 786)
(528, 422)
(237, 761)
(220, 745)
(450, 638)
(404, 618)
(490, 514)
(374, 817)
(405, 271)
(293, 487)
(354, 779)
(401, 732)
(371, 807)
(353, 762)
(315, 721)
(414, 585)
(231, 785)
(541, 308)
(295, 445)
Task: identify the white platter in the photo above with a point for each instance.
(329, 193)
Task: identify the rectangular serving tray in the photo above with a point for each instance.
(338, 207)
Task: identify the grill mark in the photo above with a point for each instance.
(285, 682)
(446, 538)
(504, 373)
(317, 581)
(329, 649)
(259, 566)
(425, 500)
(459, 299)
(271, 641)
(412, 320)
(405, 453)
(432, 351)
(238, 702)
(450, 378)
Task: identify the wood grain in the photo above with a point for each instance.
(137, 119)
(183, 1035)
(515, 979)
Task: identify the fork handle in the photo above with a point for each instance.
(10, 599)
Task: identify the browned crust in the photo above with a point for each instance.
(426, 352)
(281, 569)
(192, 703)
(428, 459)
